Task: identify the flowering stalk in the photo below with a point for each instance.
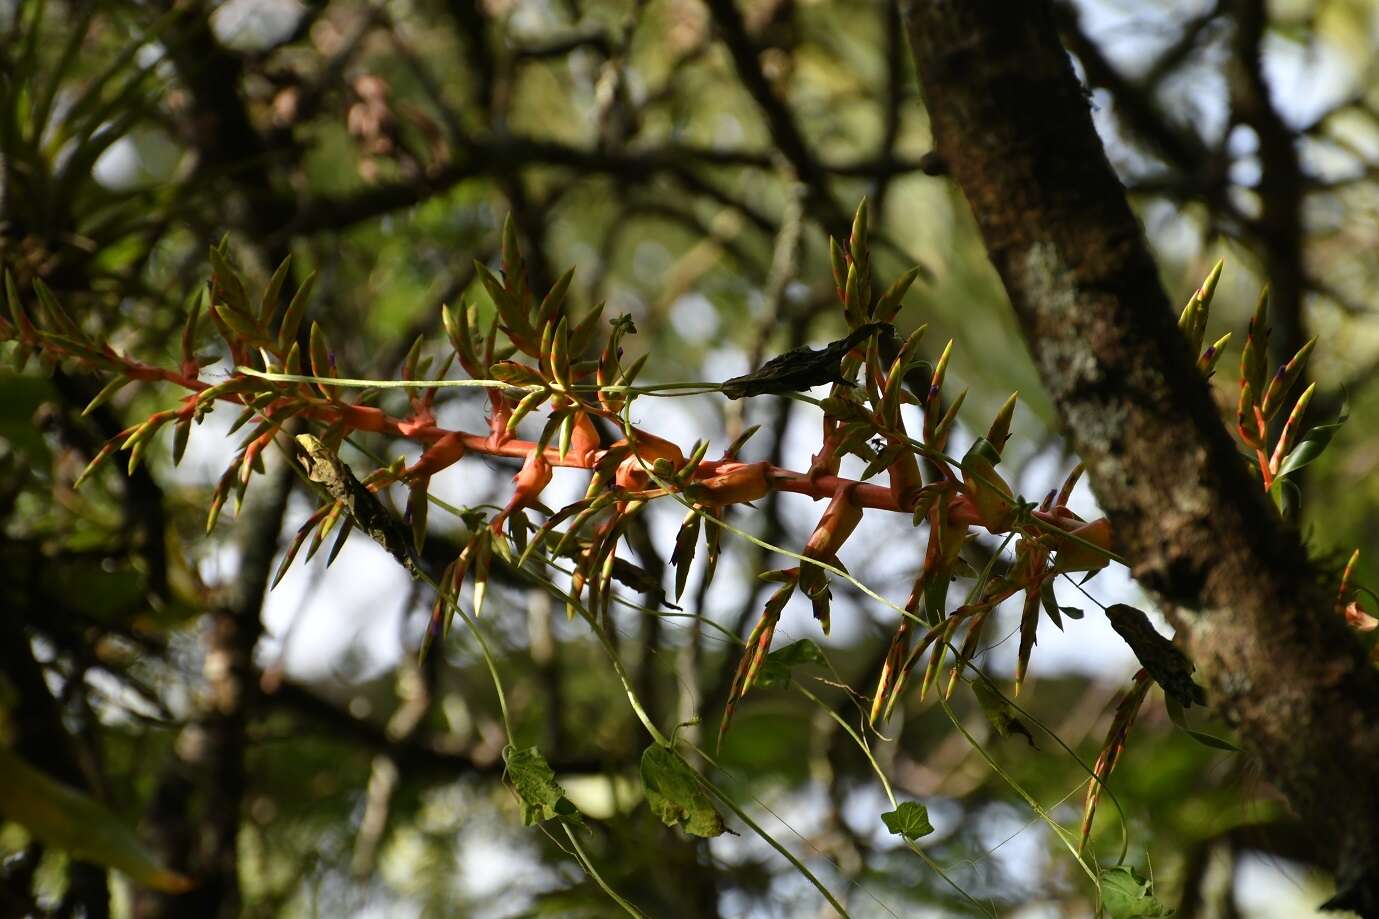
(538, 359)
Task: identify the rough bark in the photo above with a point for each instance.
(1012, 123)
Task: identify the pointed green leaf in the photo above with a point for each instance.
(686, 542)
(417, 507)
(227, 282)
(269, 304)
(292, 316)
(1311, 446)
(1179, 719)
(107, 392)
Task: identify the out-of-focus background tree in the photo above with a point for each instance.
(689, 158)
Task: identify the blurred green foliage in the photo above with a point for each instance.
(380, 145)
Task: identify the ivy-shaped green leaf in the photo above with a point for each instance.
(674, 794)
(1127, 895)
(910, 820)
(534, 781)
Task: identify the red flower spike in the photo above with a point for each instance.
(1283, 380)
(363, 417)
(836, 525)
(925, 642)
(422, 418)
(738, 485)
(969, 648)
(641, 455)
(1029, 621)
(253, 450)
(1079, 556)
(1290, 429)
(944, 637)
(1349, 572)
(1254, 356)
(839, 262)
(1065, 493)
(999, 432)
(989, 492)
(499, 416)
(531, 480)
(827, 461)
(947, 534)
(1355, 615)
(906, 482)
(440, 455)
(839, 520)
(585, 442)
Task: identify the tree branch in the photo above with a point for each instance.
(1281, 180)
(779, 119)
(1011, 119)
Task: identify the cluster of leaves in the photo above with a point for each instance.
(61, 222)
(1263, 394)
(535, 355)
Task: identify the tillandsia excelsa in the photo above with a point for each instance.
(563, 372)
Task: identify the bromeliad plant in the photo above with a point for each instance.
(537, 358)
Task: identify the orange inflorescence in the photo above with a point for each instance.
(530, 481)
(543, 364)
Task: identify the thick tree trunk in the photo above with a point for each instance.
(1012, 123)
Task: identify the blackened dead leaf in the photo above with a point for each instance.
(800, 368)
(327, 470)
(1166, 663)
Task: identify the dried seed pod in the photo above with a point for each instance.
(1126, 712)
